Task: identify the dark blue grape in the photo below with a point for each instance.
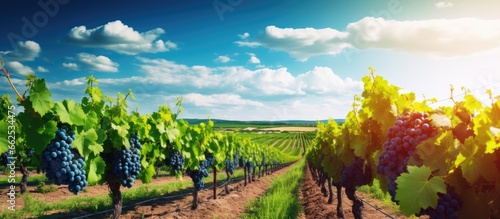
(202, 172)
(59, 162)
(176, 161)
(447, 207)
(7, 159)
(230, 166)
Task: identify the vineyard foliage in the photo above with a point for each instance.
(102, 124)
(104, 130)
(419, 153)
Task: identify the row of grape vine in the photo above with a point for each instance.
(99, 141)
(441, 161)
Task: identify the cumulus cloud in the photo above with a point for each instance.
(18, 68)
(443, 5)
(253, 59)
(229, 92)
(219, 100)
(303, 43)
(71, 66)
(435, 37)
(26, 51)
(42, 69)
(68, 83)
(259, 82)
(323, 80)
(222, 59)
(243, 36)
(120, 38)
(247, 44)
(97, 63)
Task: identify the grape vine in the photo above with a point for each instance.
(438, 161)
(100, 140)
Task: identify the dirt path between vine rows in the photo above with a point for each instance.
(225, 206)
(316, 205)
(62, 193)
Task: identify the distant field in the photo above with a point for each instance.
(291, 129)
(244, 125)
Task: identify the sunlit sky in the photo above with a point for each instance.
(252, 60)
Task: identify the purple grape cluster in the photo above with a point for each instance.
(202, 172)
(229, 166)
(126, 163)
(62, 164)
(356, 174)
(402, 139)
(447, 207)
(176, 161)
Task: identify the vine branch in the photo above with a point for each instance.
(6, 73)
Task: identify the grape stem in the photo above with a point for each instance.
(7, 75)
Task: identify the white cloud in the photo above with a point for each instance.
(71, 66)
(219, 100)
(438, 37)
(443, 5)
(303, 43)
(243, 36)
(259, 82)
(120, 38)
(41, 69)
(26, 51)
(435, 37)
(248, 44)
(222, 59)
(18, 68)
(97, 63)
(253, 59)
(69, 83)
(323, 80)
(232, 92)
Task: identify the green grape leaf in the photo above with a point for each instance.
(172, 133)
(37, 132)
(70, 112)
(96, 170)
(46, 133)
(416, 190)
(4, 143)
(474, 162)
(86, 142)
(91, 120)
(119, 136)
(40, 97)
(439, 152)
(491, 146)
(472, 103)
(359, 145)
(147, 174)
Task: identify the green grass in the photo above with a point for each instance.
(37, 208)
(42, 188)
(375, 192)
(34, 179)
(281, 199)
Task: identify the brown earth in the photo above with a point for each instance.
(316, 205)
(225, 206)
(63, 193)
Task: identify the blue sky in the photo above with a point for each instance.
(252, 60)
